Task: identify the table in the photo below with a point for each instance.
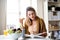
(2, 37)
(13, 36)
(37, 39)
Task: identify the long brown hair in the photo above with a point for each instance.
(29, 21)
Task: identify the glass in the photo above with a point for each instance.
(5, 32)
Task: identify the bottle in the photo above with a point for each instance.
(22, 35)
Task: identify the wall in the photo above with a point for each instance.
(40, 8)
(46, 14)
(2, 15)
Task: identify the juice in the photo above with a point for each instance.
(5, 32)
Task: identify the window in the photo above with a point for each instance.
(12, 13)
(23, 5)
(17, 9)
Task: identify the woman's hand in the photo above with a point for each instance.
(21, 20)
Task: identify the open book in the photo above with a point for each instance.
(34, 36)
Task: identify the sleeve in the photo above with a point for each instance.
(43, 28)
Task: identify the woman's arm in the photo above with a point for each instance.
(43, 28)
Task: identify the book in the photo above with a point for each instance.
(34, 36)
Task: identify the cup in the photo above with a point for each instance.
(5, 32)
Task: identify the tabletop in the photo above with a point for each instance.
(2, 37)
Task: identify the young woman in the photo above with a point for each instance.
(33, 24)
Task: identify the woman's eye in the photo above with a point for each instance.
(32, 13)
(29, 14)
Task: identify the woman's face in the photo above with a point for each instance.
(31, 15)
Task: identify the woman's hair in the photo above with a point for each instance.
(29, 21)
(30, 9)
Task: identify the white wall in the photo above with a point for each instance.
(38, 5)
(46, 14)
(2, 15)
(40, 8)
(34, 4)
